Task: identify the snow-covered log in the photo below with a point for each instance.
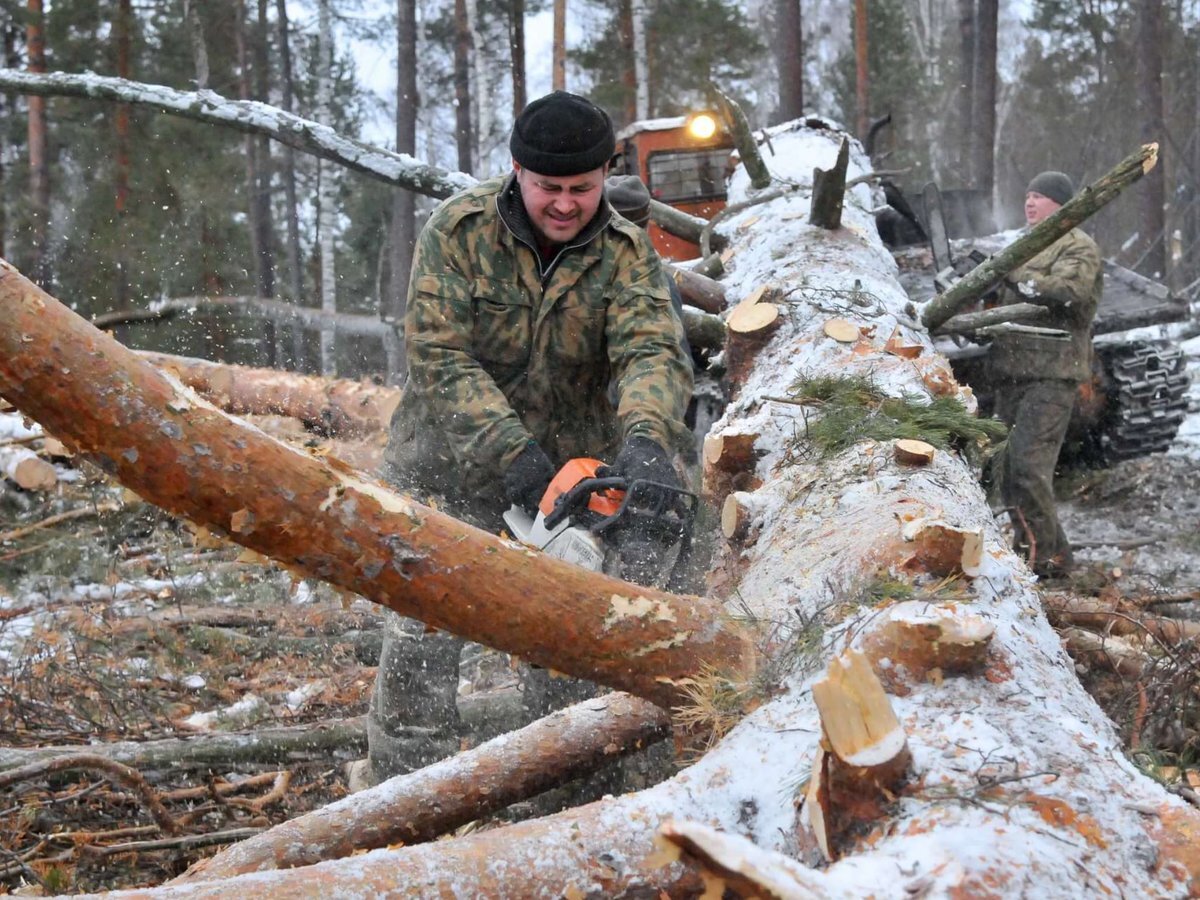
(1015, 783)
(248, 116)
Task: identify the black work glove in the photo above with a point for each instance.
(643, 458)
(527, 477)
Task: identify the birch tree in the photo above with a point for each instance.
(641, 58)
(326, 190)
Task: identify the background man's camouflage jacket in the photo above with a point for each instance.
(503, 348)
(1066, 278)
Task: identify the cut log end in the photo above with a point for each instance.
(942, 549)
(753, 319)
(737, 515)
(843, 331)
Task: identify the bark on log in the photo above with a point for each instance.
(969, 323)
(250, 117)
(182, 454)
(829, 191)
(704, 331)
(699, 290)
(683, 225)
(330, 406)
(418, 807)
(1089, 200)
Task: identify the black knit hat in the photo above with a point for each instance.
(562, 134)
(1058, 186)
(628, 196)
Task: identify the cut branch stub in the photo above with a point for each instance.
(750, 324)
(699, 290)
(942, 549)
(912, 452)
(829, 191)
(23, 467)
(738, 515)
(864, 754)
(729, 460)
(729, 862)
(177, 451)
(915, 639)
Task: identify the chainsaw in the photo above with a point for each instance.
(612, 524)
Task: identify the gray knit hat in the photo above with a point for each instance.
(629, 197)
(562, 134)
(1055, 185)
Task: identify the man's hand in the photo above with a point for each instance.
(643, 458)
(527, 477)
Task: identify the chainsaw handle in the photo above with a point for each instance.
(577, 497)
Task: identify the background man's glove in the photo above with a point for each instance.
(527, 477)
(643, 458)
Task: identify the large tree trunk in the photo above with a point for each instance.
(182, 454)
(558, 70)
(628, 70)
(966, 89)
(862, 69)
(952, 721)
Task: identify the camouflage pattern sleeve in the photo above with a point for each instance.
(462, 399)
(643, 332)
(1068, 284)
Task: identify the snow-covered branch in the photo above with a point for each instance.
(249, 116)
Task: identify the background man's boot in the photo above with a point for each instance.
(413, 720)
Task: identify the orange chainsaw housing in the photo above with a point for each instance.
(606, 503)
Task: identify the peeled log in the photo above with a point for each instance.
(179, 452)
(331, 406)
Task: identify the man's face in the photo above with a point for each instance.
(1038, 206)
(560, 205)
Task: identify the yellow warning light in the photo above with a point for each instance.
(702, 126)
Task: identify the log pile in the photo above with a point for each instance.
(886, 749)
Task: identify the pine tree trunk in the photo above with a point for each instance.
(558, 71)
(464, 135)
(789, 59)
(326, 190)
(262, 187)
(862, 69)
(517, 45)
(629, 83)
(123, 32)
(983, 98)
(404, 228)
(291, 204)
(39, 172)
(966, 88)
(1152, 196)
(191, 14)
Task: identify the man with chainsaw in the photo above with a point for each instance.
(1036, 373)
(528, 296)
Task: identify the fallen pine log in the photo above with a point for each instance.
(1012, 767)
(1114, 618)
(329, 521)
(414, 808)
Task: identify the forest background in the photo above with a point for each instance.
(113, 207)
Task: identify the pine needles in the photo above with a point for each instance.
(854, 409)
